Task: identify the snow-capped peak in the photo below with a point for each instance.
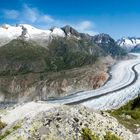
(58, 32)
(28, 32)
(5, 26)
(128, 42)
(102, 39)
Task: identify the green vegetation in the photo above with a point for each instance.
(11, 130)
(129, 114)
(20, 138)
(21, 57)
(109, 46)
(110, 136)
(2, 125)
(70, 53)
(88, 135)
(113, 49)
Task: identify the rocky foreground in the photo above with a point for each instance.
(43, 121)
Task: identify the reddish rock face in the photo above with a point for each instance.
(98, 80)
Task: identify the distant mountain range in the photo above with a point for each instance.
(25, 48)
(131, 44)
(44, 37)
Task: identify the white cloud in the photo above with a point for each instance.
(86, 26)
(47, 18)
(10, 14)
(91, 32)
(29, 14)
(32, 15)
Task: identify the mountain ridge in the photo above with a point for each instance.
(62, 48)
(129, 43)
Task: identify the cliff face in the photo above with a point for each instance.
(31, 86)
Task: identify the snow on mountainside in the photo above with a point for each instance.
(103, 39)
(128, 43)
(44, 37)
(28, 32)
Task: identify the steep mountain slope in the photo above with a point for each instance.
(136, 48)
(44, 37)
(48, 63)
(32, 86)
(129, 43)
(70, 53)
(108, 44)
(21, 56)
(28, 32)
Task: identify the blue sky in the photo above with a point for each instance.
(118, 18)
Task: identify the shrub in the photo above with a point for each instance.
(132, 109)
(110, 136)
(11, 130)
(87, 134)
(2, 125)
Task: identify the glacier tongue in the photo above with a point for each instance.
(118, 98)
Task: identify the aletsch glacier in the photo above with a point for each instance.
(122, 75)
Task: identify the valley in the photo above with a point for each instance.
(60, 77)
(125, 86)
(124, 78)
(69, 70)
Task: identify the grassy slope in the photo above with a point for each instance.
(70, 53)
(129, 114)
(22, 57)
(18, 56)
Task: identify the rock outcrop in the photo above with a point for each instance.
(66, 122)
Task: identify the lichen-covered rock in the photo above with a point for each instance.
(66, 123)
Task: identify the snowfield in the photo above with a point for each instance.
(8, 33)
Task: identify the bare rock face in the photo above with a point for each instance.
(98, 80)
(24, 33)
(70, 31)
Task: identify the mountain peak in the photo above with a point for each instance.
(102, 39)
(70, 31)
(128, 42)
